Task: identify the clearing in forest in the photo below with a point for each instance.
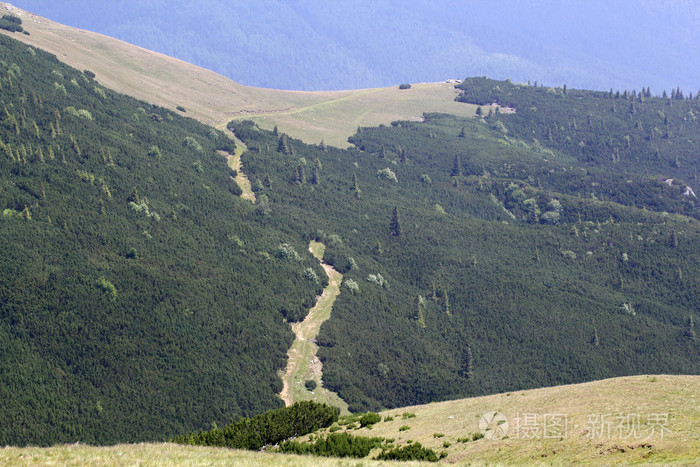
(303, 365)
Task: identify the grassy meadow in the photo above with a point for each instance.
(213, 99)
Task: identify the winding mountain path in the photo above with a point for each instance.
(303, 364)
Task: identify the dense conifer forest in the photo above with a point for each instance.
(141, 298)
(481, 255)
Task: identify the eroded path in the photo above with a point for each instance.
(234, 161)
(303, 364)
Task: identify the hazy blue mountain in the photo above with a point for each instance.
(304, 44)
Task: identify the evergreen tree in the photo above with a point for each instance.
(462, 132)
(299, 177)
(314, 176)
(395, 225)
(469, 365)
(456, 167)
(402, 155)
(691, 328)
(446, 303)
(355, 187)
(420, 313)
(282, 145)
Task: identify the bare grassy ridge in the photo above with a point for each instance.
(214, 100)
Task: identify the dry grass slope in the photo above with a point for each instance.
(659, 425)
(215, 100)
(637, 419)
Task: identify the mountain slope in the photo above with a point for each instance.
(139, 291)
(476, 260)
(140, 297)
(214, 99)
(626, 404)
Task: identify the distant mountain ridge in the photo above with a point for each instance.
(306, 45)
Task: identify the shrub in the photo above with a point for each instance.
(192, 143)
(351, 285)
(370, 419)
(287, 251)
(378, 280)
(181, 108)
(387, 174)
(410, 452)
(154, 151)
(11, 23)
(107, 287)
(334, 445)
(100, 92)
(404, 86)
(310, 384)
(269, 428)
(404, 427)
(12, 19)
(310, 275)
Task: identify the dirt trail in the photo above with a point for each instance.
(302, 363)
(234, 161)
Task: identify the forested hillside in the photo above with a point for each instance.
(139, 296)
(479, 256)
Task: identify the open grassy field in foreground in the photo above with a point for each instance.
(636, 419)
(213, 99)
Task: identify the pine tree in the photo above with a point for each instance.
(314, 176)
(402, 155)
(446, 303)
(595, 341)
(433, 292)
(691, 328)
(355, 187)
(299, 177)
(462, 132)
(282, 145)
(420, 313)
(274, 131)
(322, 146)
(395, 225)
(479, 111)
(469, 365)
(456, 167)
